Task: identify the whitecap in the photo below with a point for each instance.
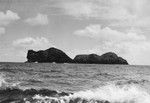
(2, 80)
(107, 94)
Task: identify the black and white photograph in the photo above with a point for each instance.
(74, 51)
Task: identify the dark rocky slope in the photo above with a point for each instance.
(55, 55)
(49, 55)
(107, 58)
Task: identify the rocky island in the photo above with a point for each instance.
(58, 56)
(50, 55)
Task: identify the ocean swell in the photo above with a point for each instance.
(2, 80)
(110, 93)
(105, 94)
(114, 94)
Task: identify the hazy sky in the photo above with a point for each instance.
(76, 26)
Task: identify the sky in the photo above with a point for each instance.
(76, 27)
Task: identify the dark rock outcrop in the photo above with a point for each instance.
(16, 95)
(55, 55)
(107, 58)
(50, 55)
(91, 58)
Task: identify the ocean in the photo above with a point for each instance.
(73, 83)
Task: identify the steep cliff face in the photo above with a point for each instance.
(49, 55)
(31, 56)
(107, 58)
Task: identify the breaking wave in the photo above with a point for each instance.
(110, 93)
(2, 80)
(115, 94)
(105, 94)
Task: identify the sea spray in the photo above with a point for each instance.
(2, 80)
(4, 84)
(110, 93)
(105, 94)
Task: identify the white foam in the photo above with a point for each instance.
(4, 84)
(2, 80)
(111, 93)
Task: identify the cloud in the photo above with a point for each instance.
(8, 17)
(32, 43)
(2, 30)
(132, 46)
(40, 19)
(108, 34)
(17, 52)
(100, 9)
(116, 13)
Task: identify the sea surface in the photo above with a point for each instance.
(73, 83)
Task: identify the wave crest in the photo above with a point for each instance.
(105, 94)
(111, 93)
(2, 81)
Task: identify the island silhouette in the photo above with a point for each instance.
(58, 56)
